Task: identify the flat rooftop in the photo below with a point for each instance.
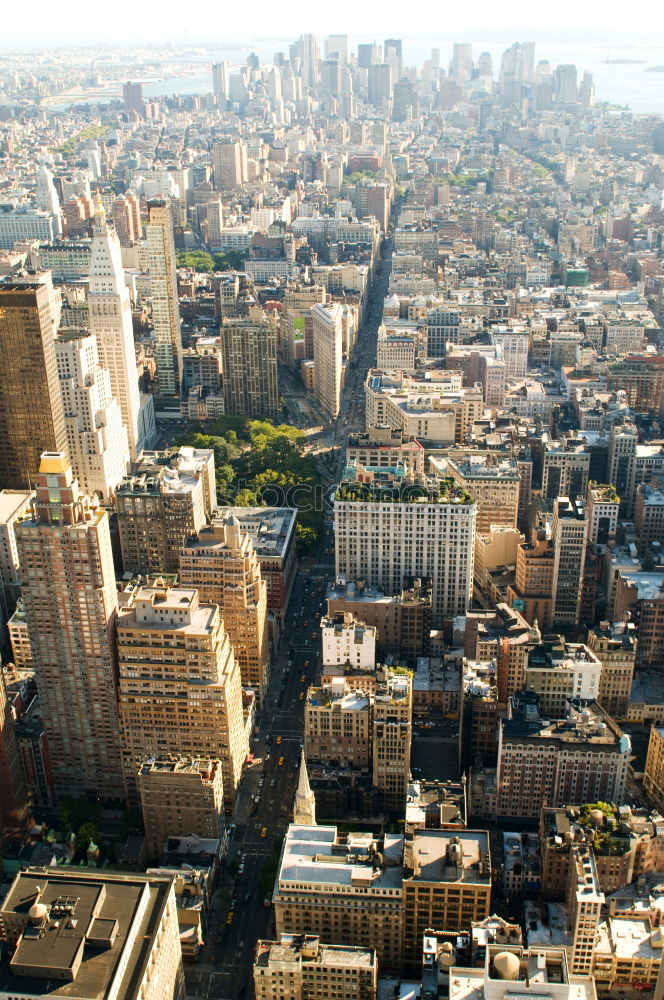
(94, 925)
(12, 502)
(432, 856)
(318, 856)
(270, 528)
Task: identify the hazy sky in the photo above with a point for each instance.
(44, 21)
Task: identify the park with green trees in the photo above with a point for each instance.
(259, 463)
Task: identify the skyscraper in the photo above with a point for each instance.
(180, 690)
(96, 437)
(132, 95)
(69, 595)
(47, 196)
(110, 322)
(328, 355)
(164, 295)
(221, 563)
(31, 415)
(220, 83)
(249, 349)
(229, 160)
(14, 813)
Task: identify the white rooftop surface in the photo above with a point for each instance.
(468, 984)
(395, 989)
(11, 501)
(630, 938)
(303, 843)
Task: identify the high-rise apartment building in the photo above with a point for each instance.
(110, 320)
(389, 526)
(327, 321)
(221, 563)
(565, 470)
(164, 500)
(126, 214)
(570, 536)
(164, 297)
(392, 732)
(505, 637)
(179, 684)
(249, 352)
(366, 727)
(70, 601)
(581, 758)
(615, 645)
(229, 160)
(300, 967)
(493, 481)
(89, 934)
(31, 414)
(96, 436)
(179, 797)
(132, 96)
(14, 813)
(603, 506)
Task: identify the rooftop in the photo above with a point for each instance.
(319, 858)
(448, 856)
(89, 925)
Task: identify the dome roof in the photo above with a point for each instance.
(506, 965)
(38, 911)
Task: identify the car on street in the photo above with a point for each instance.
(229, 917)
(281, 762)
(263, 832)
(303, 678)
(278, 739)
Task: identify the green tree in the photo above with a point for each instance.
(198, 259)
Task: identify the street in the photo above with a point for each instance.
(263, 808)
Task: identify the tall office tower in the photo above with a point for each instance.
(565, 468)
(14, 813)
(221, 563)
(229, 161)
(569, 531)
(220, 83)
(124, 220)
(336, 47)
(393, 54)
(367, 55)
(134, 203)
(31, 415)
(164, 500)
(565, 84)
(180, 690)
(328, 356)
(249, 351)
(96, 437)
(132, 95)
(587, 90)
(461, 64)
(603, 505)
(180, 797)
(91, 934)
(164, 296)
(585, 901)
(70, 601)
(427, 529)
(330, 78)
(485, 64)
(110, 322)
(47, 196)
(621, 466)
(310, 55)
(380, 81)
(528, 61)
(215, 221)
(392, 735)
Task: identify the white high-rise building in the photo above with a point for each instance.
(110, 322)
(47, 196)
(328, 355)
(164, 295)
(96, 436)
(393, 525)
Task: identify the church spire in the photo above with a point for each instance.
(304, 810)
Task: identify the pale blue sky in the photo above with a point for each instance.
(45, 21)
